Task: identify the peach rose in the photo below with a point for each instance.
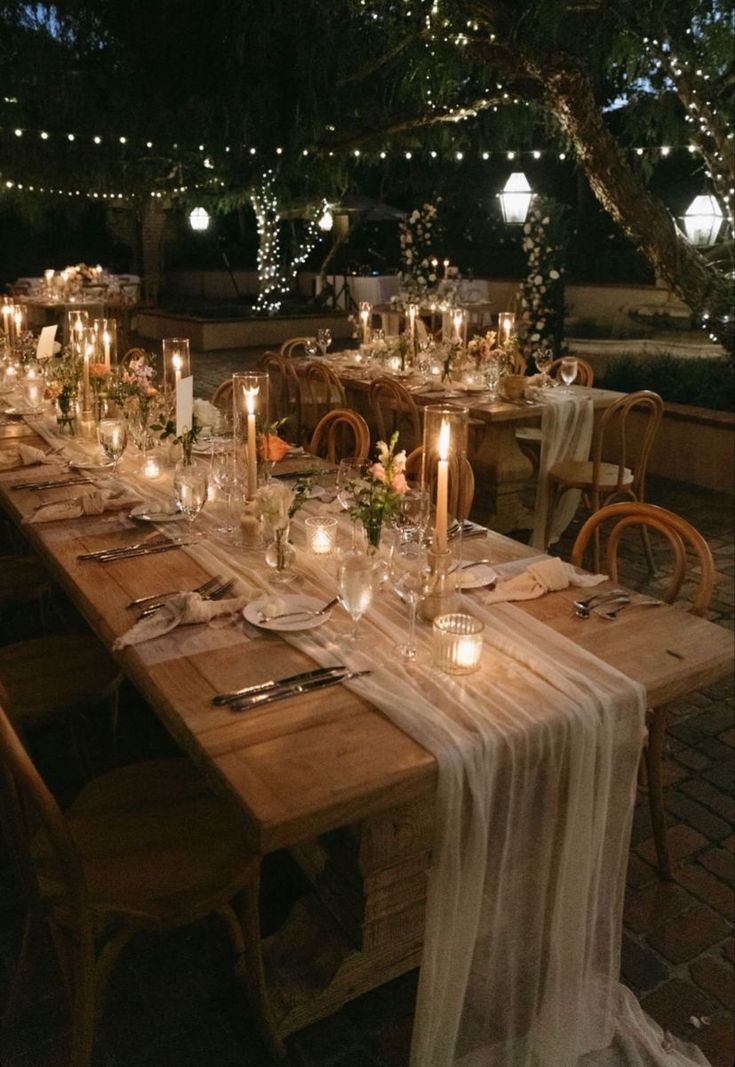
(273, 446)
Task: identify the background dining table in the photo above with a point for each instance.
(324, 775)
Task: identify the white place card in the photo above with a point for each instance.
(45, 346)
(184, 405)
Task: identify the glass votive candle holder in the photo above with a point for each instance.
(457, 643)
(321, 534)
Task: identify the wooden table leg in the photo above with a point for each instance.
(501, 472)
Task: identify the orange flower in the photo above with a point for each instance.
(273, 447)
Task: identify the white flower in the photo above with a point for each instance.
(207, 414)
(554, 274)
(538, 280)
(545, 221)
(526, 228)
(535, 337)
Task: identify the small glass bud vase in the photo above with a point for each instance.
(280, 554)
(441, 594)
(457, 643)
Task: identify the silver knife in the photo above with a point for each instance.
(274, 683)
(57, 484)
(259, 700)
(133, 554)
(161, 539)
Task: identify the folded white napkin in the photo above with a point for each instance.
(25, 456)
(94, 502)
(545, 576)
(184, 609)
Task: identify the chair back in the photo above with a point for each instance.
(341, 434)
(585, 371)
(679, 533)
(285, 391)
(293, 347)
(461, 480)
(613, 437)
(222, 396)
(133, 354)
(393, 409)
(29, 808)
(322, 392)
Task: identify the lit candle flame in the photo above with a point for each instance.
(250, 395)
(177, 362)
(444, 440)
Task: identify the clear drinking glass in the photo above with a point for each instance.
(190, 490)
(311, 347)
(543, 358)
(408, 567)
(355, 587)
(349, 474)
(223, 472)
(568, 372)
(415, 511)
(112, 434)
(324, 340)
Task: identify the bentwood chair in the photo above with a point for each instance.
(393, 409)
(295, 346)
(681, 536)
(285, 392)
(144, 848)
(529, 437)
(341, 434)
(322, 392)
(461, 481)
(222, 396)
(133, 354)
(624, 476)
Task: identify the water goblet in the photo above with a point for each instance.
(568, 372)
(112, 434)
(311, 347)
(355, 587)
(414, 513)
(190, 490)
(408, 567)
(223, 472)
(543, 358)
(324, 340)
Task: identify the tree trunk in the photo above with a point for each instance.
(644, 219)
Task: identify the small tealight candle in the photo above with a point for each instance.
(457, 643)
(151, 467)
(321, 534)
(394, 363)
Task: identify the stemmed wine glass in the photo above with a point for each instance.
(355, 587)
(568, 372)
(350, 474)
(190, 490)
(223, 472)
(408, 566)
(324, 340)
(543, 358)
(112, 434)
(311, 347)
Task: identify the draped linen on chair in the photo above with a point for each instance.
(566, 433)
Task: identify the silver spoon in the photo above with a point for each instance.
(585, 612)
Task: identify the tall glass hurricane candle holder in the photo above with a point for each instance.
(176, 361)
(366, 321)
(506, 326)
(443, 475)
(250, 428)
(20, 322)
(104, 332)
(77, 324)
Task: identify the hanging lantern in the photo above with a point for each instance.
(199, 219)
(326, 222)
(515, 199)
(702, 220)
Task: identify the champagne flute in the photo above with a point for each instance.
(324, 340)
(543, 358)
(112, 434)
(568, 372)
(223, 473)
(408, 567)
(355, 587)
(190, 490)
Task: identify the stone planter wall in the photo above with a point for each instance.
(693, 445)
(207, 335)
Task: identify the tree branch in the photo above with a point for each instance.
(379, 63)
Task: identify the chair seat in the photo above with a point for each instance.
(53, 674)
(155, 844)
(22, 580)
(578, 474)
(529, 434)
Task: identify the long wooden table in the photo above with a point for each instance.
(324, 775)
(502, 470)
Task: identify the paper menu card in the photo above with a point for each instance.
(45, 346)
(184, 405)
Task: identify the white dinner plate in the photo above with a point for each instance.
(151, 511)
(476, 577)
(81, 465)
(286, 603)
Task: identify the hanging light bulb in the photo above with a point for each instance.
(199, 219)
(702, 220)
(515, 199)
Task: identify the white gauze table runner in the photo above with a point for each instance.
(566, 433)
(537, 756)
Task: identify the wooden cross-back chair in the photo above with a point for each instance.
(461, 480)
(222, 396)
(145, 847)
(133, 354)
(394, 409)
(322, 391)
(607, 481)
(681, 535)
(341, 434)
(284, 393)
(295, 346)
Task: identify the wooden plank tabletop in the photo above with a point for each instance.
(320, 761)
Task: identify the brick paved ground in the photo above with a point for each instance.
(173, 1002)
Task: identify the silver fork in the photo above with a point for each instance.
(586, 611)
(636, 604)
(217, 593)
(205, 588)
